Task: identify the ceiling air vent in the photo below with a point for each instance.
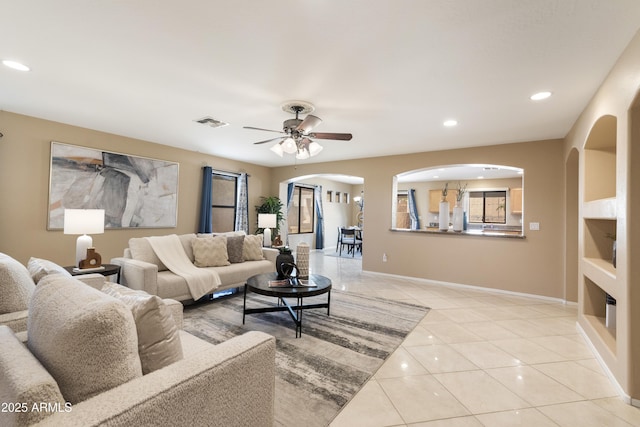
(210, 121)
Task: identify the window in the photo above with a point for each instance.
(223, 202)
(300, 217)
(488, 207)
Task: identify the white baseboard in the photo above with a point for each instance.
(474, 287)
(627, 399)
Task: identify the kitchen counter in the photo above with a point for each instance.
(510, 234)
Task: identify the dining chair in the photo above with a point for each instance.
(348, 238)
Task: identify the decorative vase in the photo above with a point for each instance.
(458, 218)
(284, 257)
(302, 255)
(444, 216)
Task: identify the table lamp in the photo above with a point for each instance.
(83, 222)
(267, 221)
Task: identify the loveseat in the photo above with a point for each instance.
(243, 257)
(83, 365)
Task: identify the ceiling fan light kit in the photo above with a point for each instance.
(296, 133)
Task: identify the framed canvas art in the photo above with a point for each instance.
(135, 192)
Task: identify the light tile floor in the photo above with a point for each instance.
(479, 358)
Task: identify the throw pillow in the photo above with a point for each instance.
(16, 285)
(38, 268)
(234, 248)
(85, 339)
(142, 251)
(158, 337)
(210, 251)
(252, 249)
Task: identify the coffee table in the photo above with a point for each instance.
(259, 284)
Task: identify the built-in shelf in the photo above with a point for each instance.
(599, 214)
(600, 209)
(602, 273)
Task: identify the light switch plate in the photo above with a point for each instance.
(534, 226)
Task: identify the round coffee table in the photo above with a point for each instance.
(260, 284)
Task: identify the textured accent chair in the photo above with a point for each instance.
(16, 287)
(82, 364)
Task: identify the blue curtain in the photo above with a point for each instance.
(320, 218)
(242, 213)
(205, 204)
(290, 189)
(413, 210)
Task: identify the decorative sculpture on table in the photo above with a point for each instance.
(93, 260)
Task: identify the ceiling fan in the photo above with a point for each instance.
(296, 133)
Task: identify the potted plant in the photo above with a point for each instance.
(270, 205)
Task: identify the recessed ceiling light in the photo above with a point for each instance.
(450, 123)
(540, 96)
(15, 65)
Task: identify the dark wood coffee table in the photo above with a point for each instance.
(259, 284)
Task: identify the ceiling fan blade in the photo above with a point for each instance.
(269, 140)
(329, 135)
(308, 123)
(266, 130)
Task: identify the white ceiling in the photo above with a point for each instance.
(389, 72)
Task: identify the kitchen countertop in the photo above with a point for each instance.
(485, 233)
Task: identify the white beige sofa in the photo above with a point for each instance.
(141, 268)
(82, 366)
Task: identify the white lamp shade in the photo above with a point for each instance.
(289, 146)
(302, 155)
(278, 149)
(83, 221)
(315, 148)
(267, 220)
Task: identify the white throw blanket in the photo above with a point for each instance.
(200, 281)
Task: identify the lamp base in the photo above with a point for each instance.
(83, 243)
(266, 238)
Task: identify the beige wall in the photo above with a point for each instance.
(24, 184)
(532, 265)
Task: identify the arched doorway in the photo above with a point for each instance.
(339, 207)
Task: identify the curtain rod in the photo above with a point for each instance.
(221, 172)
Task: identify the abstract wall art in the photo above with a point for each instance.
(135, 192)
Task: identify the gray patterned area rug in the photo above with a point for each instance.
(317, 374)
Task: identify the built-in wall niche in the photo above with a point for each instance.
(595, 312)
(475, 179)
(600, 160)
(599, 237)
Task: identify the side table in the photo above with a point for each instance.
(108, 270)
